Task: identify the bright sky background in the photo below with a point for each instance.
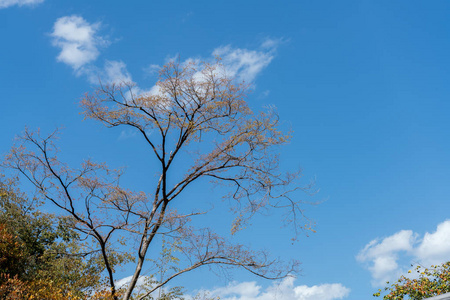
(363, 84)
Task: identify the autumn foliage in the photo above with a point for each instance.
(38, 257)
(431, 282)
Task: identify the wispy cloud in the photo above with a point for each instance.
(264, 94)
(127, 134)
(80, 44)
(125, 281)
(152, 69)
(8, 3)
(272, 44)
(382, 256)
(112, 72)
(284, 290)
(78, 40)
(246, 64)
(240, 63)
(143, 285)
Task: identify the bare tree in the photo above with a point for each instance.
(196, 107)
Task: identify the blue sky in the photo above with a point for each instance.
(363, 85)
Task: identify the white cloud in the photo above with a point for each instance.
(127, 134)
(271, 43)
(8, 3)
(322, 292)
(125, 281)
(382, 257)
(116, 71)
(242, 64)
(80, 45)
(152, 69)
(143, 285)
(284, 290)
(112, 72)
(264, 94)
(435, 247)
(246, 64)
(78, 40)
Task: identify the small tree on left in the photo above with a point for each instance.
(40, 256)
